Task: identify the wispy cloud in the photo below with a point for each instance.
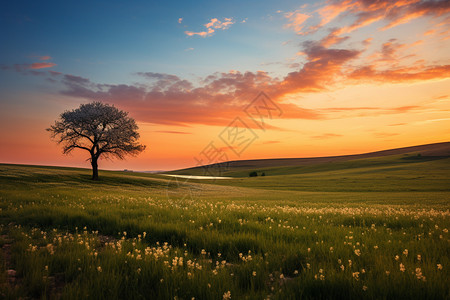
(345, 112)
(172, 132)
(364, 13)
(206, 33)
(54, 73)
(326, 136)
(384, 134)
(44, 65)
(296, 20)
(433, 120)
(227, 148)
(400, 74)
(180, 20)
(45, 57)
(333, 38)
(270, 142)
(27, 68)
(212, 26)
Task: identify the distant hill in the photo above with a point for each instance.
(239, 168)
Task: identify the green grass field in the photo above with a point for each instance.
(373, 228)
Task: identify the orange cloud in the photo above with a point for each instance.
(36, 66)
(46, 57)
(28, 68)
(389, 51)
(168, 99)
(384, 134)
(393, 55)
(368, 73)
(296, 20)
(366, 13)
(334, 9)
(367, 42)
(323, 66)
(211, 27)
(333, 38)
(361, 22)
(326, 136)
(172, 132)
(54, 73)
(227, 148)
(401, 14)
(270, 142)
(220, 97)
(215, 23)
(200, 33)
(345, 112)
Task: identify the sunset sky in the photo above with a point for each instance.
(342, 77)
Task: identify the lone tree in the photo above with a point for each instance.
(101, 129)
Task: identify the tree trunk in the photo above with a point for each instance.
(94, 168)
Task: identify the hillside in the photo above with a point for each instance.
(283, 166)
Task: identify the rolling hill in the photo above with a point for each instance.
(286, 166)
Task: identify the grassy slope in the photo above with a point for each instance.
(65, 198)
(393, 174)
(398, 173)
(302, 165)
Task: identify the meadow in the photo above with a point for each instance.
(373, 228)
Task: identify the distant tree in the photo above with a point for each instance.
(101, 129)
(253, 174)
(263, 174)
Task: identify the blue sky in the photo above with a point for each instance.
(110, 40)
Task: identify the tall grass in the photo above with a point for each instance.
(67, 237)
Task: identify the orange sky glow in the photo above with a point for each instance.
(359, 77)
